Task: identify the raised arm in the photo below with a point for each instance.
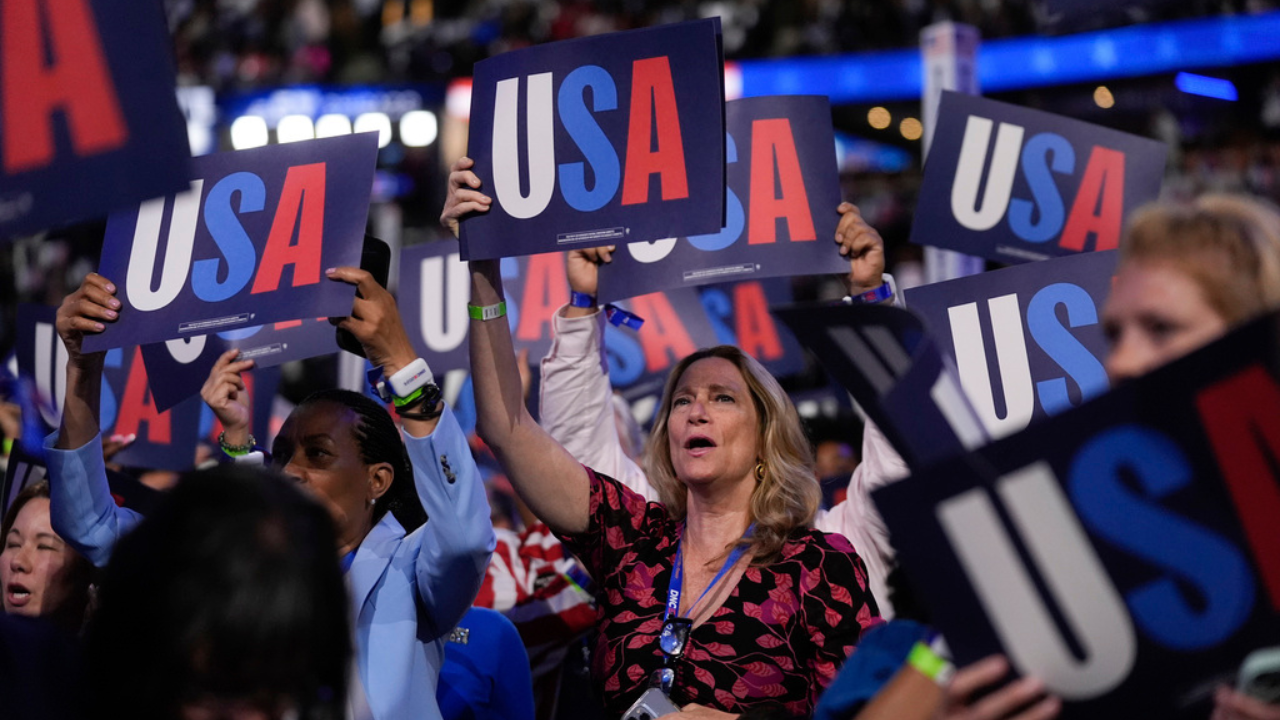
(554, 485)
(454, 545)
(577, 400)
(81, 509)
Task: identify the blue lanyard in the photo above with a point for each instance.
(677, 576)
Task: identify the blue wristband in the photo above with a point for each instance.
(581, 300)
(874, 295)
(619, 317)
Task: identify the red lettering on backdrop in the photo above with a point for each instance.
(1241, 416)
(663, 337)
(78, 82)
(138, 407)
(248, 388)
(303, 191)
(653, 94)
(773, 147)
(546, 290)
(757, 334)
(1101, 192)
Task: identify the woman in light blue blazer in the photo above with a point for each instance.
(408, 589)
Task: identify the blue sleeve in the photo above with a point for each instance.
(458, 538)
(81, 509)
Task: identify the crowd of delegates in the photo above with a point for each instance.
(354, 570)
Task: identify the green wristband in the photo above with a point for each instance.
(488, 312)
(929, 663)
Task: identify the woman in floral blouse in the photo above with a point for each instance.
(720, 593)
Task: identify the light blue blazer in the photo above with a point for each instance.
(407, 591)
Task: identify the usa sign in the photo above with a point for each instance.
(89, 121)
(1026, 340)
(246, 245)
(780, 206)
(1124, 552)
(165, 439)
(1017, 185)
(598, 140)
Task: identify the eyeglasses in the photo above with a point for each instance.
(675, 637)
(673, 640)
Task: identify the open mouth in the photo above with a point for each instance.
(17, 595)
(699, 442)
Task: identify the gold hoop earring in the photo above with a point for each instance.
(759, 472)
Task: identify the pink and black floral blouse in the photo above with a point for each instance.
(778, 639)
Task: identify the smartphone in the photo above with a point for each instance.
(375, 257)
(1260, 675)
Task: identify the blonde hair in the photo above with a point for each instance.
(1228, 244)
(788, 495)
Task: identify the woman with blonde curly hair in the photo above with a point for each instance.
(720, 598)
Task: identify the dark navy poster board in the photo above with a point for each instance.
(780, 206)
(89, 120)
(896, 372)
(1016, 185)
(1027, 340)
(247, 245)
(599, 140)
(1140, 525)
(166, 439)
(184, 364)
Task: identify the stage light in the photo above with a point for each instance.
(1211, 87)
(419, 128)
(911, 129)
(369, 122)
(248, 131)
(332, 125)
(1103, 97)
(879, 118)
(293, 128)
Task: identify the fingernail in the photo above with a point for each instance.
(111, 287)
(130, 437)
(111, 314)
(330, 271)
(116, 438)
(99, 326)
(114, 303)
(488, 199)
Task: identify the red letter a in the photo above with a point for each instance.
(1101, 190)
(546, 290)
(1241, 415)
(773, 146)
(662, 336)
(137, 407)
(653, 94)
(78, 82)
(757, 335)
(303, 188)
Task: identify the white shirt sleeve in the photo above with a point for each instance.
(576, 402)
(857, 518)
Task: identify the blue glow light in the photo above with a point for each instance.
(1206, 86)
(1017, 63)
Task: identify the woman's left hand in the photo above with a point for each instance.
(863, 246)
(375, 321)
(694, 711)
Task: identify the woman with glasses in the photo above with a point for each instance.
(719, 597)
